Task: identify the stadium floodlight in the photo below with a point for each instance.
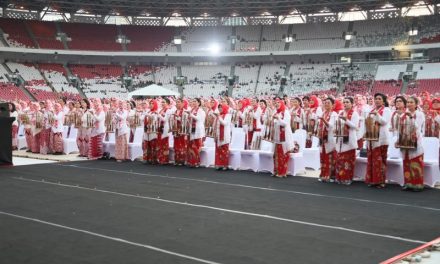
(349, 35)
(177, 40)
(214, 48)
(413, 32)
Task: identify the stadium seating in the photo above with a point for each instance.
(203, 39)
(144, 38)
(306, 78)
(248, 38)
(357, 87)
(388, 87)
(100, 81)
(389, 72)
(247, 74)
(272, 39)
(318, 36)
(141, 75)
(45, 34)
(104, 37)
(10, 92)
(269, 81)
(17, 35)
(96, 71)
(56, 76)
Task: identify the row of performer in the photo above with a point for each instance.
(342, 126)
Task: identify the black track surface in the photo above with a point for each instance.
(207, 233)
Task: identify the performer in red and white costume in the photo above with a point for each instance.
(222, 126)
(37, 127)
(377, 150)
(150, 135)
(346, 146)
(327, 141)
(164, 129)
(84, 131)
(122, 132)
(283, 139)
(180, 139)
(400, 110)
(255, 129)
(311, 113)
(98, 131)
(296, 113)
(197, 116)
(14, 113)
(413, 165)
(56, 138)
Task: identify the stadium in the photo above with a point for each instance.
(148, 131)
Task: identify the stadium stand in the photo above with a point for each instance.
(16, 33)
(144, 38)
(104, 37)
(45, 34)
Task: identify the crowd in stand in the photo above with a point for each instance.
(344, 126)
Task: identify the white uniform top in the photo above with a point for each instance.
(330, 145)
(57, 126)
(288, 143)
(166, 124)
(384, 121)
(121, 122)
(420, 131)
(200, 124)
(226, 123)
(99, 127)
(299, 116)
(14, 114)
(352, 131)
(256, 115)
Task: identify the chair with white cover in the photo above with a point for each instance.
(170, 148)
(394, 164)
(265, 163)
(207, 153)
(360, 166)
(431, 160)
(312, 156)
(21, 138)
(235, 148)
(249, 159)
(135, 148)
(109, 145)
(65, 130)
(296, 163)
(69, 144)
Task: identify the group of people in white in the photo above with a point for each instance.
(343, 127)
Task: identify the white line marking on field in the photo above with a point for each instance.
(120, 240)
(229, 211)
(259, 188)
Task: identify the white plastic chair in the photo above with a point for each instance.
(235, 148)
(21, 138)
(69, 144)
(311, 155)
(265, 163)
(135, 148)
(207, 153)
(431, 160)
(109, 146)
(394, 164)
(296, 160)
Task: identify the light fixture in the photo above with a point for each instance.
(177, 40)
(413, 32)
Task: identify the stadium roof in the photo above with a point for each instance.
(197, 8)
